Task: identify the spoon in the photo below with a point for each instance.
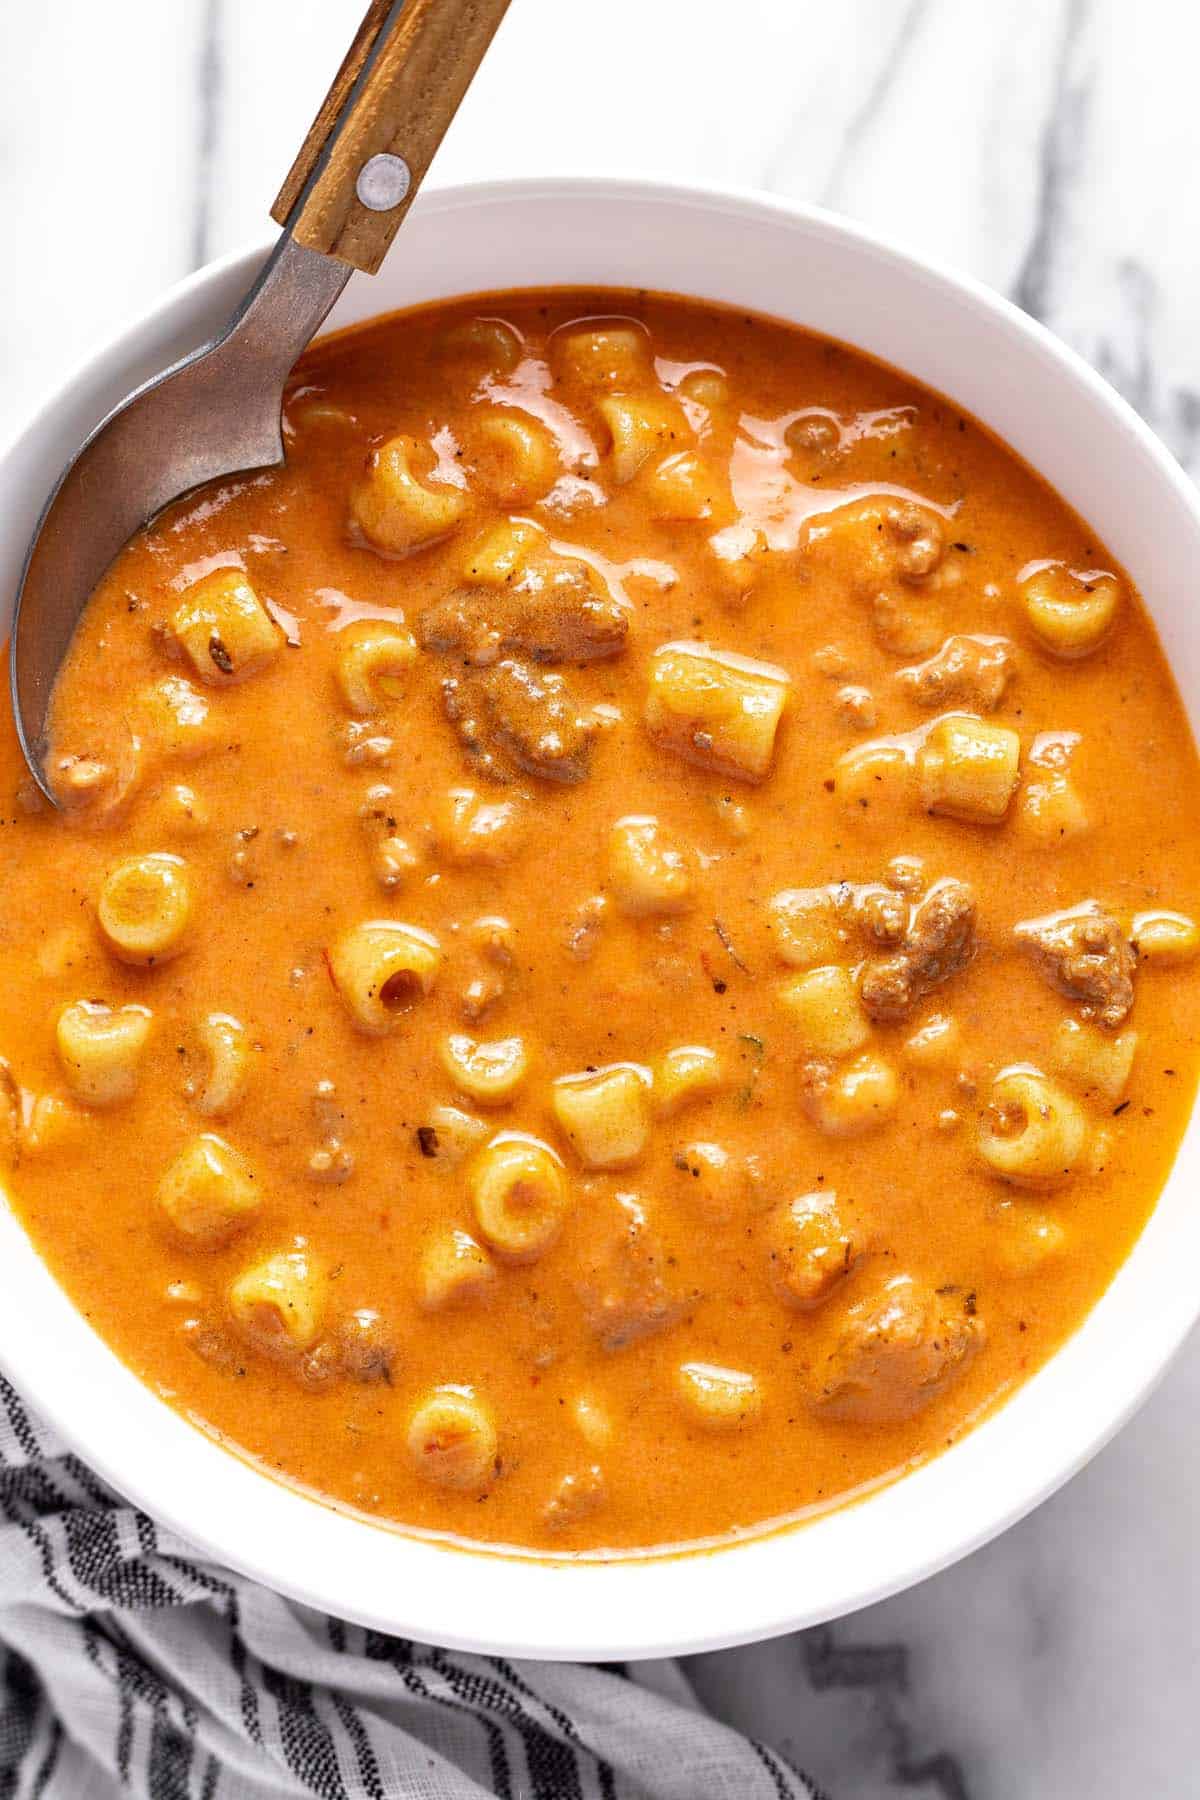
(217, 412)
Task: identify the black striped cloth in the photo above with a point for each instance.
(131, 1667)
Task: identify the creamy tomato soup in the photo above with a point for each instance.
(616, 962)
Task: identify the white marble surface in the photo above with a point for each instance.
(1048, 146)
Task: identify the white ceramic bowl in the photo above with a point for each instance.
(834, 277)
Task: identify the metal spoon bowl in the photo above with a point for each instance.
(217, 411)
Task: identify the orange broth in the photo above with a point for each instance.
(736, 1287)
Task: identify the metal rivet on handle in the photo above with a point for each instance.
(383, 182)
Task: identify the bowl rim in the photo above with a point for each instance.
(276, 1534)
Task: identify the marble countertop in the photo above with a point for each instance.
(1045, 145)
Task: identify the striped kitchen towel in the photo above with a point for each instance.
(132, 1667)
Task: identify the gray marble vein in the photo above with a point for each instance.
(1059, 154)
(210, 82)
(1048, 146)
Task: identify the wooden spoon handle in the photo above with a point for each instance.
(391, 102)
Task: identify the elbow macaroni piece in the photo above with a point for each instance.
(50, 1124)
(519, 1195)
(648, 874)
(226, 1045)
(603, 355)
(475, 833)
(374, 657)
(100, 1049)
(809, 1249)
(1166, 938)
(825, 1007)
(490, 345)
(741, 554)
(682, 486)
(361, 1347)
(718, 1183)
(1095, 1061)
(605, 1114)
(178, 811)
(969, 769)
(641, 427)
(1052, 810)
(1031, 1133)
(716, 1398)
(488, 1073)
(804, 924)
(859, 1097)
(302, 415)
(708, 388)
(453, 1270)
(209, 1191)
(452, 1439)
(176, 718)
(145, 907)
(878, 774)
(381, 969)
(1070, 612)
(577, 1496)
(716, 709)
(455, 1134)
(501, 555)
(935, 1044)
(814, 433)
(518, 459)
(1028, 1238)
(393, 858)
(494, 938)
(280, 1303)
(224, 629)
(97, 785)
(398, 511)
(685, 1075)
